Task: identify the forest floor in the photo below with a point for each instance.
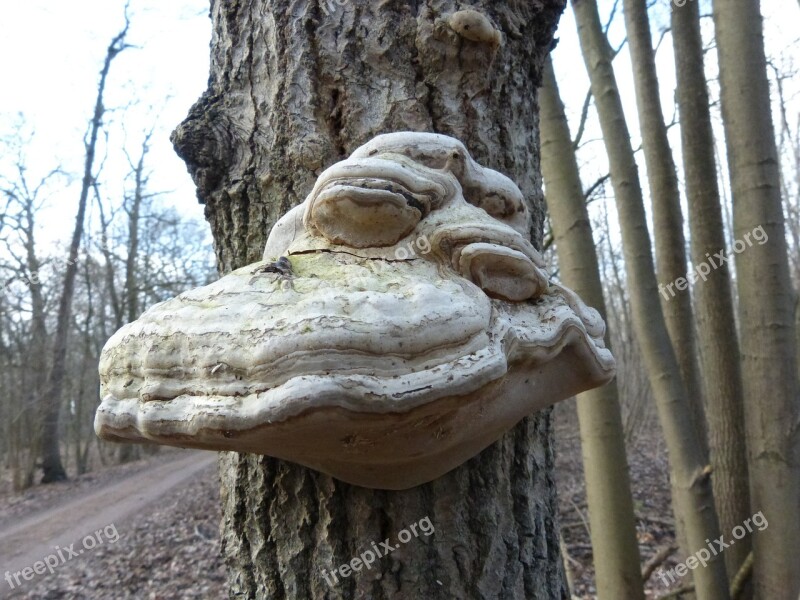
(158, 520)
(155, 525)
(655, 525)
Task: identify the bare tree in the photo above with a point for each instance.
(613, 530)
(719, 346)
(23, 204)
(636, 394)
(52, 468)
(133, 209)
(666, 201)
(691, 488)
(766, 297)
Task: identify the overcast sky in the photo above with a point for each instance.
(52, 52)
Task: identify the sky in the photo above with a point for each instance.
(782, 42)
(52, 53)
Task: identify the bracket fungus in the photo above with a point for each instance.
(400, 323)
(474, 26)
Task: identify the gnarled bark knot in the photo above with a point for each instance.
(399, 323)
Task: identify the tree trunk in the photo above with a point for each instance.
(36, 362)
(691, 488)
(719, 346)
(134, 215)
(295, 87)
(768, 343)
(108, 267)
(613, 529)
(666, 201)
(86, 366)
(131, 452)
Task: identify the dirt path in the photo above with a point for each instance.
(99, 513)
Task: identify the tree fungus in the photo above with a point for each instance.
(349, 349)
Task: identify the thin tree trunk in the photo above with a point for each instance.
(666, 201)
(86, 364)
(689, 474)
(293, 88)
(130, 452)
(134, 217)
(50, 452)
(613, 529)
(108, 267)
(28, 423)
(768, 343)
(719, 346)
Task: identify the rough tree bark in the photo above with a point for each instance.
(665, 199)
(52, 469)
(769, 369)
(716, 324)
(608, 490)
(294, 87)
(692, 497)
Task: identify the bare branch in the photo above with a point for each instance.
(592, 188)
(587, 101)
(657, 560)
